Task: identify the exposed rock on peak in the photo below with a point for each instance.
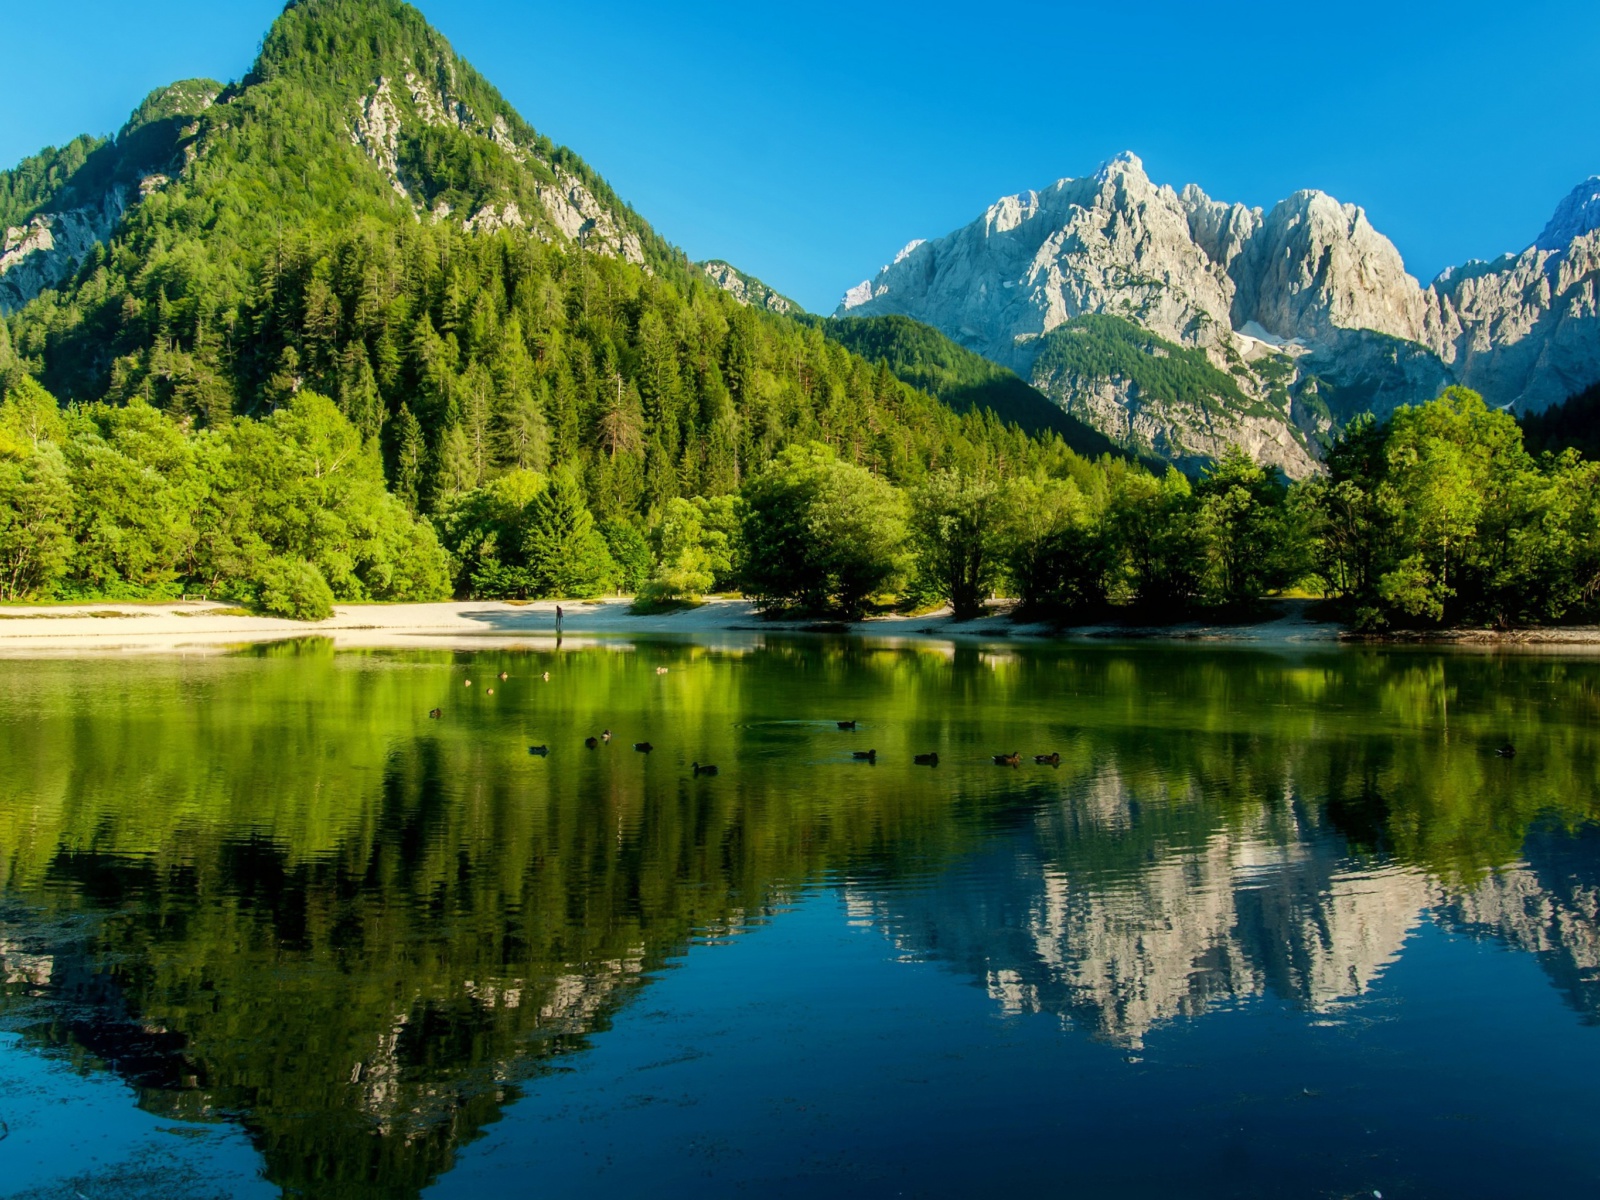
(747, 289)
(1576, 216)
(1306, 307)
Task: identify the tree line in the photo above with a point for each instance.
(1438, 516)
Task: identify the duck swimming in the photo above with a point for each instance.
(643, 747)
(926, 760)
(539, 751)
(707, 770)
(1014, 759)
(847, 726)
(1047, 760)
(590, 742)
(870, 756)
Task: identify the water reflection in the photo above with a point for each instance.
(268, 889)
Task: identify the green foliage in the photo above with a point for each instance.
(565, 553)
(122, 502)
(138, 488)
(1251, 543)
(294, 588)
(683, 565)
(1099, 347)
(1441, 516)
(927, 360)
(1059, 561)
(630, 550)
(32, 184)
(1152, 543)
(820, 533)
(1574, 424)
(484, 530)
(959, 526)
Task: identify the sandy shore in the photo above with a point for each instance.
(122, 627)
(113, 627)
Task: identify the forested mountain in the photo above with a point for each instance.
(1304, 312)
(364, 217)
(923, 357)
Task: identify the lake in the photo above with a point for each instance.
(1278, 923)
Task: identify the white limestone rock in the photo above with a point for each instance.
(1311, 284)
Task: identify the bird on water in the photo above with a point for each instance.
(643, 747)
(847, 726)
(1047, 760)
(605, 735)
(591, 742)
(870, 756)
(1506, 751)
(926, 760)
(539, 751)
(1014, 759)
(704, 770)
(435, 713)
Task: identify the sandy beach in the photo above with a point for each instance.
(111, 626)
(198, 626)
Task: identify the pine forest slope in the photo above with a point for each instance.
(365, 216)
(926, 359)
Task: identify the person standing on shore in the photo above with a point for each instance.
(560, 617)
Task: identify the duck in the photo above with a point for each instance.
(1047, 760)
(591, 742)
(547, 676)
(661, 670)
(488, 691)
(847, 726)
(435, 714)
(926, 760)
(605, 735)
(870, 756)
(643, 747)
(539, 751)
(468, 683)
(706, 770)
(1506, 751)
(504, 676)
(1014, 759)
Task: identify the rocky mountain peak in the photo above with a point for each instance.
(1305, 311)
(1126, 163)
(1575, 216)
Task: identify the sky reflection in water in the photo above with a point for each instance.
(1277, 924)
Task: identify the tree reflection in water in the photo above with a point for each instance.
(268, 889)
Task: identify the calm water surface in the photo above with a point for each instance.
(1276, 925)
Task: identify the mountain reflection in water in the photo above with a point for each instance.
(266, 889)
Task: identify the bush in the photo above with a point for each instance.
(295, 589)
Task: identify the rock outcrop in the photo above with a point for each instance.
(747, 289)
(565, 206)
(46, 250)
(1307, 306)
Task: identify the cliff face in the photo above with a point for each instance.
(50, 241)
(1307, 308)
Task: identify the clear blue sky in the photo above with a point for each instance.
(808, 143)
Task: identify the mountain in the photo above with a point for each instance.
(747, 289)
(58, 205)
(1302, 317)
(926, 359)
(364, 216)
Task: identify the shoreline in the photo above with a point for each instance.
(200, 626)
